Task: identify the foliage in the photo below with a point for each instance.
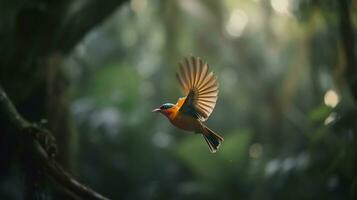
(281, 136)
(284, 108)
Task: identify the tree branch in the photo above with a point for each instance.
(42, 149)
(8, 109)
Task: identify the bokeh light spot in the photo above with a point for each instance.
(331, 118)
(272, 167)
(237, 23)
(255, 150)
(281, 6)
(331, 98)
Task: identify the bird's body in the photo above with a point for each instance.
(201, 90)
(183, 121)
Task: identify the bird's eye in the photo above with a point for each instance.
(166, 106)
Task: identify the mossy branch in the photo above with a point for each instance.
(42, 150)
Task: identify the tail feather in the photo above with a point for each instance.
(213, 139)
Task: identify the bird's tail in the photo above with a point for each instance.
(213, 139)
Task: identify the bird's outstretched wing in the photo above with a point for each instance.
(200, 87)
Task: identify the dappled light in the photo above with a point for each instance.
(96, 83)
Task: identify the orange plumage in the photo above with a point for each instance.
(201, 92)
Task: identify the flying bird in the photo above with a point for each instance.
(200, 88)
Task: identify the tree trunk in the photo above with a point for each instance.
(347, 39)
(35, 36)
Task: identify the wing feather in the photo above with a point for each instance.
(208, 105)
(188, 70)
(200, 87)
(208, 81)
(185, 78)
(198, 67)
(181, 81)
(206, 93)
(203, 74)
(204, 110)
(208, 97)
(207, 101)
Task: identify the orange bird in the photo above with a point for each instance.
(201, 91)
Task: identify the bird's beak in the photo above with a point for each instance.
(156, 110)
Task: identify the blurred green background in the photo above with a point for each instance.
(284, 108)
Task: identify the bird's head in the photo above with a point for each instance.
(165, 109)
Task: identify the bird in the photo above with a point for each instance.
(200, 87)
